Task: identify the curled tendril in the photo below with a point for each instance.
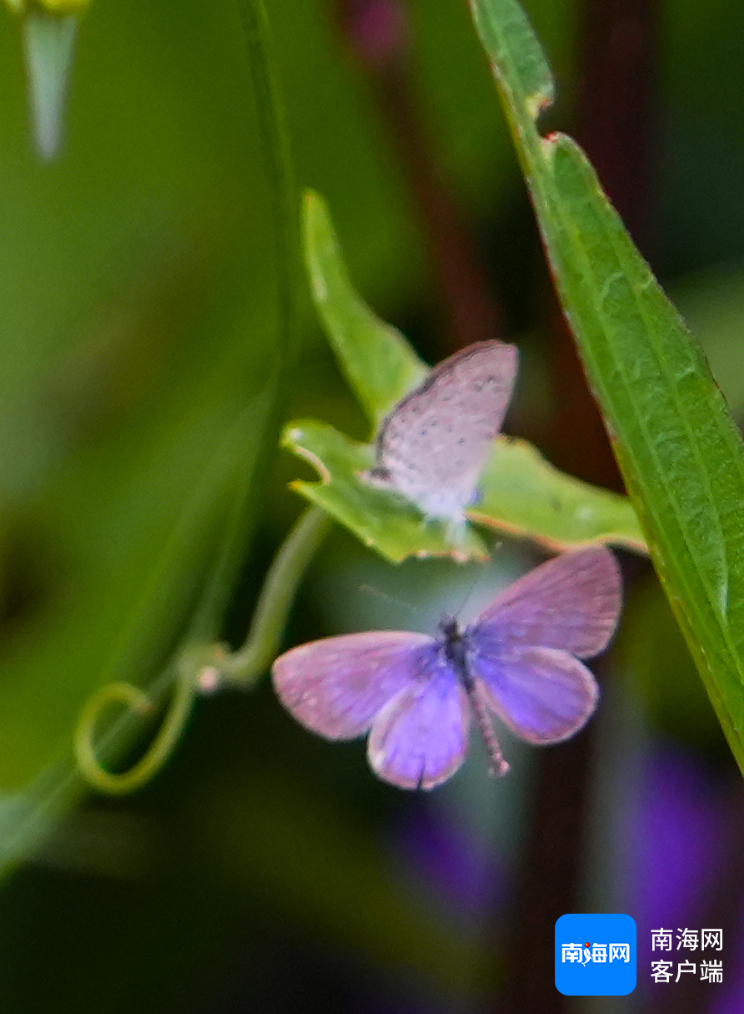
(202, 668)
(141, 704)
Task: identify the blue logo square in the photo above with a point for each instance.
(595, 955)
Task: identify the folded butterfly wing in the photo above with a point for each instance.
(434, 444)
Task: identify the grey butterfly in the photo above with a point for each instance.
(434, 445)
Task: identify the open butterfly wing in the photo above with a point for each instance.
(571, 602)
(338, 685)
(420, 737)
(542, 694)
(434, 444)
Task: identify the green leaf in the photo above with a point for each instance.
(521, 493)
(133, 462)
(676, 443)
(377, 361)
(381, 520)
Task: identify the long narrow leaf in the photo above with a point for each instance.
(676, 443)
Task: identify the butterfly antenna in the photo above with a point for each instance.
(482, 580)
(467, 596)
(499, 766)
(388, 598)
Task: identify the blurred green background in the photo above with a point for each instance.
(141, 370)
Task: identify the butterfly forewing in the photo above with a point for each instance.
(419, 739)
(543, 695)
(338, 685)
(434, 444)
(571, 602)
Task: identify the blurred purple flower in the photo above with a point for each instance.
(469, 878)
(676, 858)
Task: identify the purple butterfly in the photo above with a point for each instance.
(416, 694)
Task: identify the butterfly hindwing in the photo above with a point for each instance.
(543, 695)
(420, 737)
(338, 685)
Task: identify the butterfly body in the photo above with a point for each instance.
(416, 695)
(454, 648)
(433, 446)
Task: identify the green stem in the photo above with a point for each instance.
(283, 197)
(274, 132)
(278, 592)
